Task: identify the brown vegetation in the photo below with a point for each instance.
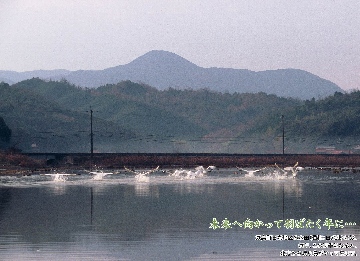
(190, 160)
(11, 162)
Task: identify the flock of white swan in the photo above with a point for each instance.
(198, 172)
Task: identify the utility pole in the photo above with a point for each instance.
(283, 134)
(91, 138)
(91, 133)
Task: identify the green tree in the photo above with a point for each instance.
(5, 132)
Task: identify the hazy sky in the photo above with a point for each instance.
(319, 36)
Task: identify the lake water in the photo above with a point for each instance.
(215, 217)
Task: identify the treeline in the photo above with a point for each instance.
(132, 117)
(331, 122)
(5, 132)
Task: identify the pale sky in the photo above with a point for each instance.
(319, 36)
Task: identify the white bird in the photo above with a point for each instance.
(142, 176)
(203, 170)
(283, 171)
(200, 171)
(192, 174)
(178, 173)
(294, 170)
(210, 168)
(299, 168)
(59, 176)
(99, 174)
(250, 173)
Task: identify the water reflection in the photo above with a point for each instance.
(193, 188)
(142, 189)
(118, 218)
(57, 189)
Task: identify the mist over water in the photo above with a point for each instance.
(168, 217)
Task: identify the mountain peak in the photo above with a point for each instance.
(162, 58)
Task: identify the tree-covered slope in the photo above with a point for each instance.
(188, 120)
(5, 133)
(171, 117)
(41, 124)
(330, 122)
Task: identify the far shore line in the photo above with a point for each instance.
(18, 164)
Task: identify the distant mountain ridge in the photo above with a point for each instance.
(162, 69)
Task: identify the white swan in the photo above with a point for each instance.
(99, 174)
(294, 170)
(249, 173)
(178, 173)
(59, 176)
(142, 176)
(210, 168)
(199, 171)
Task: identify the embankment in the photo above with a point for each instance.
(21, 163)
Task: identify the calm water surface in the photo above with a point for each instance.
(169, 218)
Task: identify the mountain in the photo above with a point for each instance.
(162, 69)
(11, 77)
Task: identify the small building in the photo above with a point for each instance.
(327, 150)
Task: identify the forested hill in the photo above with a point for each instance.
(131, 117)
(5, 133)
(39, 124)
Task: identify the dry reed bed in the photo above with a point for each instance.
(223, 160)
(17, 163)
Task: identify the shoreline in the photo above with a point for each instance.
(20, 164)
